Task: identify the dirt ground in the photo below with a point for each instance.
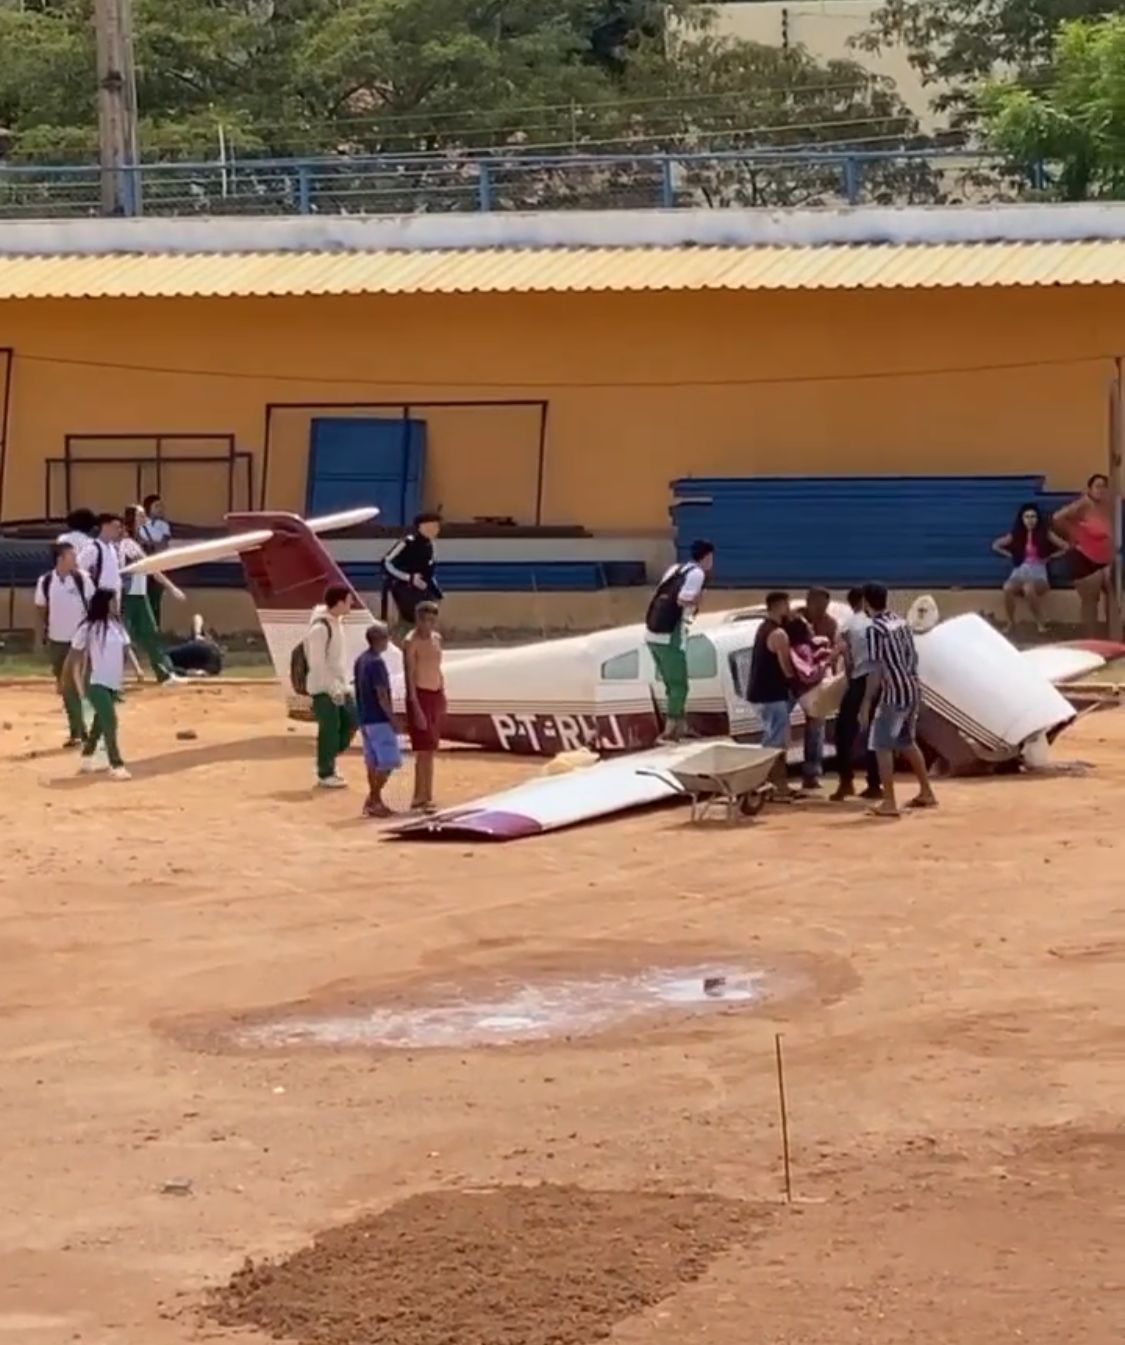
(955, 1061)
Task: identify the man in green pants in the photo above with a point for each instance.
(669, 614)
(63, 596)
(329, 684)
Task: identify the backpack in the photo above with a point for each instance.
(299, 661)
(664, 612)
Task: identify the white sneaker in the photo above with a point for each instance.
(173, 680)
(119, 773)
(332, 782)
(92, 765)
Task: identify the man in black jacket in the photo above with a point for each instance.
(408, 569)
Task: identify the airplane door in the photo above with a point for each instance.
(707, 695)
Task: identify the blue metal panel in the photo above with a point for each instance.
(355, 461)
(906, 531)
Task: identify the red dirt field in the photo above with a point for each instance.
(954, 1030)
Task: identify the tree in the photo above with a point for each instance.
(1074, 129)
(958, 43)
(437, 83)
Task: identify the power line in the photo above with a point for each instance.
(780, 380)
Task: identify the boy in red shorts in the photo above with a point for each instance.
(425, 699)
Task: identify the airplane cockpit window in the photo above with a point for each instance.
(702, 660)
(623, 668)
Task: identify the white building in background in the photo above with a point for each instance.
(825, 28)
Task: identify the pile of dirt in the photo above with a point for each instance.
(546, 1265)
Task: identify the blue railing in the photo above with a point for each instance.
(412, 184)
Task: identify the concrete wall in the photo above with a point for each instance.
(642, 388)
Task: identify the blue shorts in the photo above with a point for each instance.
(1035, 573)
(892, 730)
(380, 747)
(775, 723)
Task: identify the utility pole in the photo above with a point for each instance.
(117, 107)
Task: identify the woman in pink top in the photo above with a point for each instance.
(1029, 545)
(1088, 524)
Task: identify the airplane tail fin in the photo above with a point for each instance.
(287, 576)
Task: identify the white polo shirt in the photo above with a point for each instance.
(156, 533)
(106, 646)
(88, 560)
(65, 597)
(691, 590)
(136, 585)
(78, 540)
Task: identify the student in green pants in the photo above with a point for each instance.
(329, 684)
(97, 660)
(669, 614)
(135, 608)
(63, 595)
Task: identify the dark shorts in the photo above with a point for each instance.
(426, 737)
(1082, 567)
(892, 729)
(380, 747)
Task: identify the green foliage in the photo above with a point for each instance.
(282, 77)
(1076, 126)
(959, 43)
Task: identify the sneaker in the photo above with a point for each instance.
(841, 793)
(810, 786)
(72, 743)
(92, 766)
(331, 782)
(872, 793)
(119, 773)
(172, 680)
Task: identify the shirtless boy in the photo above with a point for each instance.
(425, 699)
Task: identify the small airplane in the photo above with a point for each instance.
(983, 700)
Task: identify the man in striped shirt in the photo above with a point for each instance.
(894, 680)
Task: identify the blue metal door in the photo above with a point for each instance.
(356, 461)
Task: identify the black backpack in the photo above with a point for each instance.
(664, 611)
(299, 661)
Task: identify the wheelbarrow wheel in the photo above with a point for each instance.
(750, 805)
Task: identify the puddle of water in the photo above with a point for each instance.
(528, 1012)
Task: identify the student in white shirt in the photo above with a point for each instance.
(97, 662)
(136, 610)
(63, 595)
(99, 556)
(670, 611)
(154, 534)
(81, 524)
(329, 684)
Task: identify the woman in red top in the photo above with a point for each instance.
(1087, 523)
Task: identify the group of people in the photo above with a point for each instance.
(1082, 531)
(358, 698)
(872, 651)
(92, 617)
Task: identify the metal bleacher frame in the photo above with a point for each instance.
(232, 458)
(404, 410)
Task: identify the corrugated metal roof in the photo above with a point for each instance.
(552, 270)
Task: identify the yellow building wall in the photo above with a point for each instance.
(642, 389)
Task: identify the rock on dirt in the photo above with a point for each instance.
(545, 1265)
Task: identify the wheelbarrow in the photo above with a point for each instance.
(727, 774)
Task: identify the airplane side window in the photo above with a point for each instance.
(702, 661)
(624, 668)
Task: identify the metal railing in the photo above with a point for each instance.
(443, 183)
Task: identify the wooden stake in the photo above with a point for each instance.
(784, 1117)
(1116, 445)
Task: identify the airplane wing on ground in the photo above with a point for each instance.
(549, 802)
(1060, 663)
